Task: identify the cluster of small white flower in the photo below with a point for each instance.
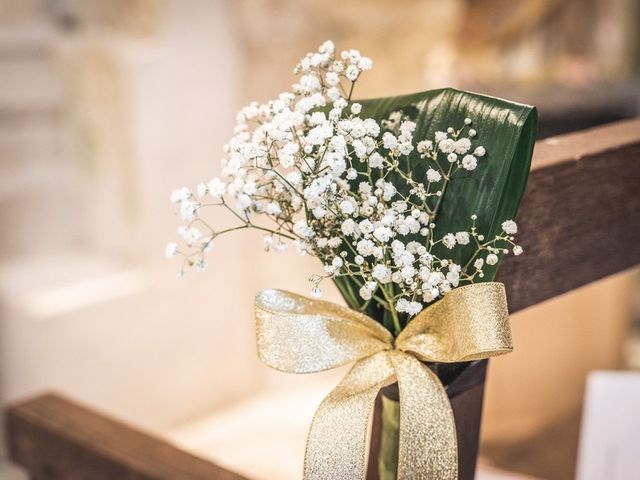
(339, 186)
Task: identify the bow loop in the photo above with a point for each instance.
(469, 323)
(300, 335)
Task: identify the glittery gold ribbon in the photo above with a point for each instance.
(301, 335)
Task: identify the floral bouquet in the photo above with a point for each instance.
(408, 203)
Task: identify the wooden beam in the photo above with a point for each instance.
(580, 216)
(54, 438)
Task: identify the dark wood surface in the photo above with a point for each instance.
(56, 439)
(579, 222)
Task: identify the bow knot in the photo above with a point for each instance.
(301, 335)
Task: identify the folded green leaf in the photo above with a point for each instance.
(493, 191)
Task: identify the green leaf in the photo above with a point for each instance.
(492, 191)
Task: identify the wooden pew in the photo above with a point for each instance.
(579, 222)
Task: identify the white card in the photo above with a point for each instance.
(610, 431)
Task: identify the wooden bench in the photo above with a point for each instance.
(580, 221)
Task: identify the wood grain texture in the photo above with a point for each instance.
(54, 438)
(579, 220)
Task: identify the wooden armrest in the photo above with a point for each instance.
(580, 216)
(54, 438)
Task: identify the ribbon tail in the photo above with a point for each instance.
(336, 444)
(427, 446)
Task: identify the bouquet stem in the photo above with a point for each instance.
(389, 435)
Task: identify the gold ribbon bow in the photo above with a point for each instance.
(300, 335)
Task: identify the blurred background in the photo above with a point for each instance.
(108, 105)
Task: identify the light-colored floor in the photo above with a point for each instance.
(10, 472)
(263, 437)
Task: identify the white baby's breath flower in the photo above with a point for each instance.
(449, 240)
(462, 146)
(319, 212)
(348, 226)
(281, 247)
(333, 94)
(207, 245)
(402, 305)
(376, 160)
(517, 250)
(462, 238)
(510, 227)
(188, 210)
(424, 146)
(389, 141)
(335, 242)
(332, 78)
(347, 207)
(201, 190)
(352, 72)
(479, 151)
(433, 175)
(216, 187)
(440, 136)
(492, 259)
(365, 247)
(365, 63)
(303, 230)
(447, 145)
(366, 226)
(383, 234)
(414, 308)
(327, 47)
(469, 162)
(453, 275)
(367, 290)
(190, 235)
(180, 195)
(171, 250)
(407, 127)
(365, 293)
(381, 273)
(405, 148)
(201, 265)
